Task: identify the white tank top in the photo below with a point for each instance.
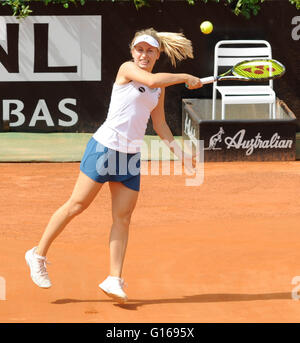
(127, 118)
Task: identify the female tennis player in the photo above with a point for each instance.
(113, 153)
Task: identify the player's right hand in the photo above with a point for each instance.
(193, 82)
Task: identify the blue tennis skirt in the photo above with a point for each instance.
(103, 164)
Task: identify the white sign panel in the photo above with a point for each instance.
(51, 48)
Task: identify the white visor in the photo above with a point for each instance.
(148, 39)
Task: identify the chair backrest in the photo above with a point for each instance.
(230, 52)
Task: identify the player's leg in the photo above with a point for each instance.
(123, 203)
(83, 194)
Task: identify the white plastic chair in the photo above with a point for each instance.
(226, 56)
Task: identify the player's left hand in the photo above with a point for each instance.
(189, 161)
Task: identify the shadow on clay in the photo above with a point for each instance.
(134, 304)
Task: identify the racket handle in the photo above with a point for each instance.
(207, 80)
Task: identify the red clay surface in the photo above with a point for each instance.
(225, 251)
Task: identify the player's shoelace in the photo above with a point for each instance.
(40, 266)
(119, 284)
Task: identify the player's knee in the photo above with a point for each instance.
(74, 208)
(122, 218)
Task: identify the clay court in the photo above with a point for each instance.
(225, 251)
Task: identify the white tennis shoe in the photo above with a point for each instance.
(113, 287)
(38, 268)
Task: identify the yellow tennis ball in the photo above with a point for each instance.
(206, 27)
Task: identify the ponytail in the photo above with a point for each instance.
(175, 45)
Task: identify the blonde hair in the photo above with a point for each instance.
(175, 45)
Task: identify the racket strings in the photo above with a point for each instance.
(258, 69)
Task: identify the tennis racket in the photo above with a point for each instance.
(250, 70)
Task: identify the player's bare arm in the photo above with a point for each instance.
(130, 71)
